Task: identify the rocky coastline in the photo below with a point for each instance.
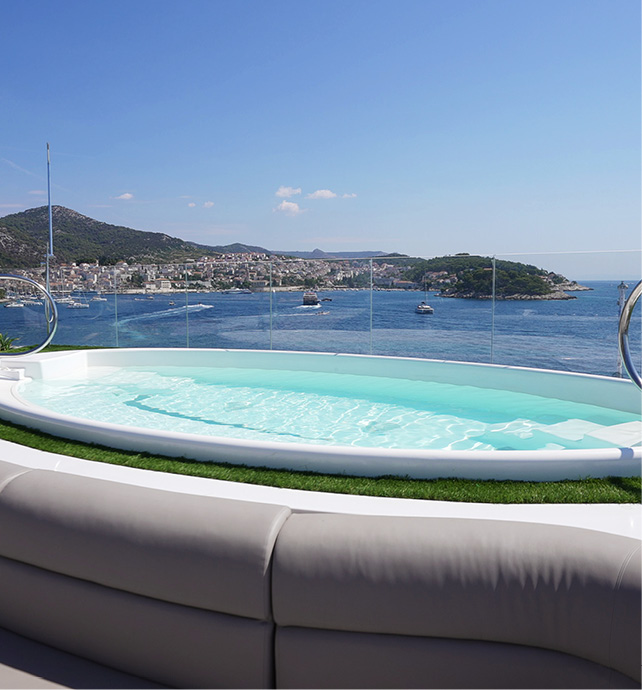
(558, 292)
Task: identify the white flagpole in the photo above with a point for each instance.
(50, 247)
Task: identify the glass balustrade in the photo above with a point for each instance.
(354, 306)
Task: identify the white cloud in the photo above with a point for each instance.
(38, 192)
(290, 208)
(208, 204)
(321, 194)
(191, 204)
(286, 192)
(349, 196)
(126, 196)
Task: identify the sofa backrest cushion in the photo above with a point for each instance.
(210, 553)
(571, 590)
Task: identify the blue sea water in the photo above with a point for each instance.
(575, 335)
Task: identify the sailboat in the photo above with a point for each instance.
(423, 307)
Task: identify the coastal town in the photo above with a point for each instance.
(259, 272)
(252, 271)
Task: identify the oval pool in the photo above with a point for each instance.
(332, 413)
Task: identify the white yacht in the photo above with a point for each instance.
(424, 308)
(310, 299)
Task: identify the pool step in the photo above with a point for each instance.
(576, 430)
(626, 434)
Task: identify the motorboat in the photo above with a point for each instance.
(310, 299)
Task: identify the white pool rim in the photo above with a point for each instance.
(527, 465)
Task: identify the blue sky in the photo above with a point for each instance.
(424, 127)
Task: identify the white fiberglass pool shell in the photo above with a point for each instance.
(620, 457)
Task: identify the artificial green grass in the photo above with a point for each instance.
(606, 490)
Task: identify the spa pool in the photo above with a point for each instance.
(351, 414)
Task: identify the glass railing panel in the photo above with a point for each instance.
(260, 305)
(234, 320)
(576, 334)
(455, 329)
(331, 313)
(24, 316)
(413, 317)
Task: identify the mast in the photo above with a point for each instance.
(50, 247)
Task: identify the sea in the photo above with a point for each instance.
(579, 335)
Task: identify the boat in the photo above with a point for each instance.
(310, 299)
(98, 298)
(172, 303)
(77, 305)
(33, 303)
(424, 308)
(237, 291)
(14, 305)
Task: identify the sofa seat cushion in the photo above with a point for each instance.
(25, 663)
(308, 658)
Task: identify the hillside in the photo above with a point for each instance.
(470, 277)
(77, 238)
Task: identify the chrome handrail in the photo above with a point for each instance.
(623, 334)
(51, 315)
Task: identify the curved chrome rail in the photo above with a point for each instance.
(51, 315)
(623, 334)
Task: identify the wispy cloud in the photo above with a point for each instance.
(12, 205)
(290, 208)
(208, 204)
(286, 192)
(38, 192)
(126, 196)
(15, 166)
(191, 204)
(321, 194)
(348, 196)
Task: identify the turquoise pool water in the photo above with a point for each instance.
(332, 409)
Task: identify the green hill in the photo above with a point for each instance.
(76, 238)
(471, 277)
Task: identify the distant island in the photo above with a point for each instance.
(83, 247)
(471, 277)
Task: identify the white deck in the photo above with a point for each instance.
(625, 519)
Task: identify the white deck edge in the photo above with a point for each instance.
(625, 520)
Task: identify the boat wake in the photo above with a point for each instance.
(165, 313)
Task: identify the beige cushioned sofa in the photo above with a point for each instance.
(111, 585)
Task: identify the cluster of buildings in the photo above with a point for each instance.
(256, 272)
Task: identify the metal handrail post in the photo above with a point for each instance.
(51, 315)
(186, 309)
(492, 318)
(371, 290)
(270, 264)
(116, 304)
(623, 334)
